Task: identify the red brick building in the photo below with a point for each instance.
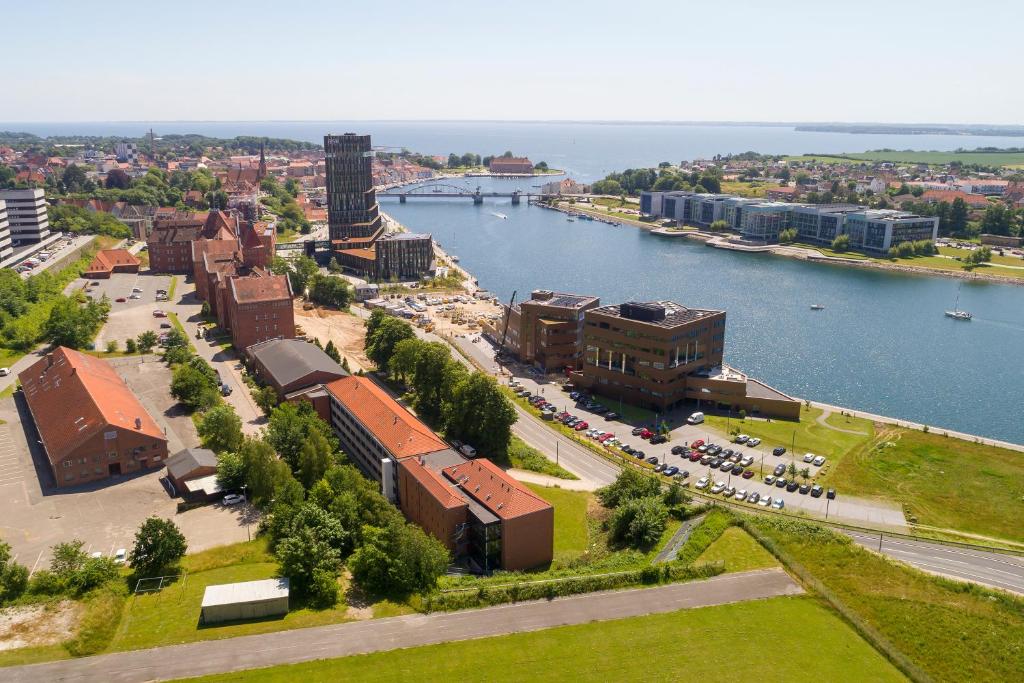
(90, 424)
(257, 307)
(170, 242)
(511, 165)
(110, 261)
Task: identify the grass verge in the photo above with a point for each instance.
(571, 532)
(738, 551)
(526, 457)
(609, 650)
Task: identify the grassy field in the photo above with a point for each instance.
(571, 532)
(951, 630)
(738, 551)
(941, 482)
(609, 651)
(743, 189)
(525, 457)
(917, 157)
(807, 435)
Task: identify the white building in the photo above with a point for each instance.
(26, 214)
(127, 151)
(6, 251)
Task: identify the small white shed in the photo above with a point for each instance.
(245, 600)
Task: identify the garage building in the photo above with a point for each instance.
(245, 600)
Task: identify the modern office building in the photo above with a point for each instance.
(546, 330)
(871, 230)
(6, 250)
(26, 215)
(403, 256)
(352, 209)
(90, 424)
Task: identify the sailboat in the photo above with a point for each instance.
(956, 313)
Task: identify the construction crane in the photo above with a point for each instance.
(504, 332)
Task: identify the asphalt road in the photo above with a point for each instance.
(993, 569)
(300, 645)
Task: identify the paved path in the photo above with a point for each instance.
(341, 640)
(682, 534)
(548, 480)
(823, 421)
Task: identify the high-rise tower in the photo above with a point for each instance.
(352, 211)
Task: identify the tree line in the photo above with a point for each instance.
(633, 181)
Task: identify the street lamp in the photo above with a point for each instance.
(828, 501)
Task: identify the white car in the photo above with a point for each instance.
(703, 482)
(754, 441)
(4, 372)
(778, 504)
(742, 438)
(233, 499)
(747, 461)
(120, 556)
(809, 457)
(695, 418)
(96, 555)
(741, 494)
(765, 502)
(718, 488)
(819, 461)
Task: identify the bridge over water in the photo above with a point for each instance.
(441, 191)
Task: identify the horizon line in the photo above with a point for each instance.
(534, 121)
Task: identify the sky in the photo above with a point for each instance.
(636, 60)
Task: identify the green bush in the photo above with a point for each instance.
(713, 526)
(639, 522)
(841, 243)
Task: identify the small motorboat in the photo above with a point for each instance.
(958, 315)
(817, 307)
(455, 259)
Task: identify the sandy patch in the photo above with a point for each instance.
(346, 331)
(35, 625)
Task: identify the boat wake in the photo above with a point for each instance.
(499, 215)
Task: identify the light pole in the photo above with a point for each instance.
(762, 464)
(828, 501)
(245, 488)
(556, 451)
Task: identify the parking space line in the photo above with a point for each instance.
(36, 563)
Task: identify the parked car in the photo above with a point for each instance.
(165, 326)
(659, 438)
(778, 504)
(741, 494)
(637, 431)
(741, 438)
(671, 471)
(225, 390)
(694, 456)
(233, 499)
(580, 426)
(747, 474)
(809, 457)
(753, 497)
(703, 482)
(660, 467)
(769, 480)
(781, 483)
(816, 491)
(159, 314)
(792, 486)
(718, 488)
(121, 555)
(697, 444)
(746, 461)
(627, 449)
(818, 461)
(695, 418)
(765, 502)
(737, 470)
(805, 488)
(729, 492)
(645, 433)
(4, 372)
(653, 460)
(468, 450)
(677, 450)
(831, 495)
(120, 300)
(640, 455)
(726, 466)
(754, 442)
(779, 450)
(779, 470)
(611, 416)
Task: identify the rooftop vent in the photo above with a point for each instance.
(646, 312)
(138, 423)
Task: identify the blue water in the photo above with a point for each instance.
(588, 151)
(882, 344)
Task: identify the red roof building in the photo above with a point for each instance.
(516, 165)
(974, 201)
(90, 423)
(109, 261)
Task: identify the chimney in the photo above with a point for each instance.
(138, 423)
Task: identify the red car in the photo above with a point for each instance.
(646, 434)
(697, 444)
(606, 437)
(694, 456)
(747, 474)
(120, 299)
(581, 426)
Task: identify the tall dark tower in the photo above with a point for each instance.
(352, 210)
(261, 172)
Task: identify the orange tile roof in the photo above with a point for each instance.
(73, 397)
(497, 491)
(432, 482)
(950, 195)
(398, 430)
(106, 260)
(260, 287)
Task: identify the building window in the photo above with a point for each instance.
(67, 464)
(69, 477)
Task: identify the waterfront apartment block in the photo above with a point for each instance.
(661, 355)
(546, 330)
(6, 250)
(403, 256)
(871, 230)
(26, 215)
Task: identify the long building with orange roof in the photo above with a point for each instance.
(89, 422)
(485, 517)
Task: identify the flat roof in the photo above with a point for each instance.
(675, 314)
(246, 591)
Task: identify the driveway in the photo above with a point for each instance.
(301, 645)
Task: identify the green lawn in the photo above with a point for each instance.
(808, 435)
(571, 533)
(916, 157)
(738, 551)
(950, 630)
(942, 482)
(611, 651)
(631, 414)
(525, 457)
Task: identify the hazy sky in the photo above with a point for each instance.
(739, 60)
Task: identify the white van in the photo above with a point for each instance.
(468, 451)
(695, 419)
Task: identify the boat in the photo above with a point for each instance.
(956, 313)
(455, 259)
(499, 215)
(817, 307)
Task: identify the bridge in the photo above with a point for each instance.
(442, 191)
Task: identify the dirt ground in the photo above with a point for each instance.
(344, 329)
(35, 625)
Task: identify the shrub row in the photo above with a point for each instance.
(713, 526)
(541, 590)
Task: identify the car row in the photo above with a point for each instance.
(731, 493)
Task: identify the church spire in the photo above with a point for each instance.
(262, 172)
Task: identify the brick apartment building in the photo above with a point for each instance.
(90, 424)
(170, 242)
(546, 330)
(658, 355)
(258, 307)
(482, 515)
(510, 165)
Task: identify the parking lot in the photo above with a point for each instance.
(846, 508)
(130, 317)
(34, 514)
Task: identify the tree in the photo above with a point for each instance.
(193, 387)
(791, 471)
(841, 242)
(333, 265)
(639, 522)
(289, 427)
(112, 346)
(72, 325)
(308, 550)
(480, 414)
(76, 572)
(332, 351)
(263, 471)
(302, 270)
(997, 220)
(431, 379)
(979, 256)
(265, 398)
(221, 429)
(629, 485)
(146, 341)
(718, 226)
(73, 179)
(398, 559)
(231, 474)
(607, 187)
(675, 495)
(958, 216)
(381, 341)
(159, 544)
(788, 235)
(328, 290)
(117, 180)
(315, 458)
(13, 576)
(129, 345)
(805, 474)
